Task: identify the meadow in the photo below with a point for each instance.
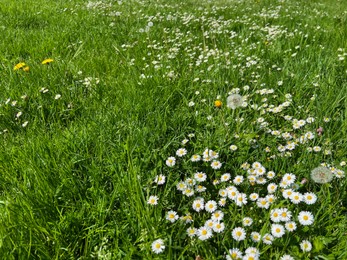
(166, 129)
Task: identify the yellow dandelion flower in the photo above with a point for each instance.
(19, 66)
(26, 68)
(218, 103)
(47, 61)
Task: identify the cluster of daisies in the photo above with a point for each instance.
(254, 204)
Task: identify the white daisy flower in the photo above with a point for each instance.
(158, 246)
(285, 214)
(270, 175)
(310, 198)
(305, 218)
(289, 178)
(252, 250)
(247, 221)
(211, 206)
(198, 205)
(253, 196)
(275, 215)
(171, 161)
(277, 230)
(216, 165)
(195, 158)
(232, 192)
(160, 179)
(290, 226)
(238, 234)
(188, 192)
(267, 239)
(153, 200)
(218, 227)
(305, 246)
(225, 177)
(191, 231)
(271, 188)
(223, 193)
(181, 152)
(296, 197)
(255, 236)
(287, 257)
(233, 254)
(263, 203)
(181, 186)
(217, 215)
(204, 233)
(238, 180)
(222, 202)
(241, 199)
(233, 147)
(171, 216)
(250, 257)
(209, 224)
(200, 176)
(200, 188)
(287, 193)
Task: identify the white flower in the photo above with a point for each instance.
(305, 218)
(233, 147)
(211, 206)
(305, 246)
(234, 101)
(204, 233)
(191, 103)
(296, 197)
(238, 234)
(275, 215)
(172, 216)
(271, 188)
(225, 177)
(171, 161)
(238, 180)
(290, 226)
(222, 202)
(191, 231)
(216, 165)
(160, 179)
(200, 176)
(217, 216)
(57, 96)
(158, 246)
(253, 196)
(253, 250)
(218, 227)
(247, 221)
(267, 239)
(181, 186)
(255, 236)
(310, 198)
(181, 152)
(198, 205)
(241, 199)
(277, 230)
(289, 178)
(285, 214)
(152, 200)
(263, 203)
(250, 257)
(195, 158)
(234, 253)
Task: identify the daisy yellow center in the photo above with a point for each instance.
(305, 245)
(290, 225)
(233, 193)
(172, 216)
(296, 197)
(305, 217)
(238, 233)
(309, 197)
(210, 206)
(218, 226)
(157, 246)
(216, 215)
(198, 205)
(204, 232)
(263, 202)
(278, 230)
(284, 214)
(234, 255)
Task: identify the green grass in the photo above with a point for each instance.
(75, 179)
